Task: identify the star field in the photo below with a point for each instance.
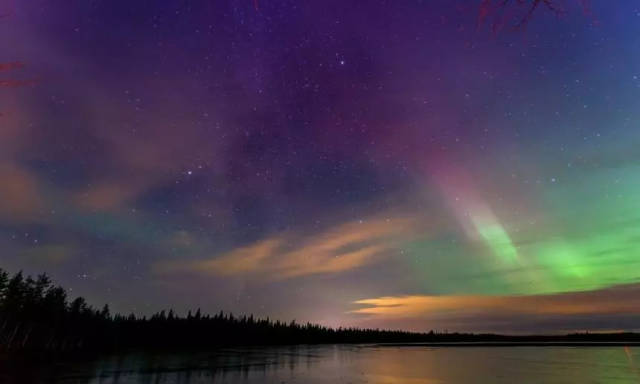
(418, 164)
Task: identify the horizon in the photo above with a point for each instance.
(405, 166)
(196, 313)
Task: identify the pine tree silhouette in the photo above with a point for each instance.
(36, 316)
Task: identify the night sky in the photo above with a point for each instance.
(401, 164)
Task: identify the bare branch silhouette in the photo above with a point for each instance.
(518, 13)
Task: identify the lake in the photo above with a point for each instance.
(346, 364)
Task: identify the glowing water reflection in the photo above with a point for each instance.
(344, 364)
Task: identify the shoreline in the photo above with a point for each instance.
(516, 344)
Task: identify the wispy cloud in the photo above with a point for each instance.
(20, 198)
(339, 249)
(108, 196)
(616, 300)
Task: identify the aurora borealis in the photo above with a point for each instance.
(397, 164)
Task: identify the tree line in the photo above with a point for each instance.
(37, 316)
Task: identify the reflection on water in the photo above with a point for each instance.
(345, 364)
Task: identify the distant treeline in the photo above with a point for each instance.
(35, 315)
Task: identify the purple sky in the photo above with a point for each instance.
(404, 164)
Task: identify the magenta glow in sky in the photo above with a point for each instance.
(415, 164)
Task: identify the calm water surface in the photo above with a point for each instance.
(348, 364)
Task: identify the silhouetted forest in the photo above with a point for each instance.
(36, 315)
